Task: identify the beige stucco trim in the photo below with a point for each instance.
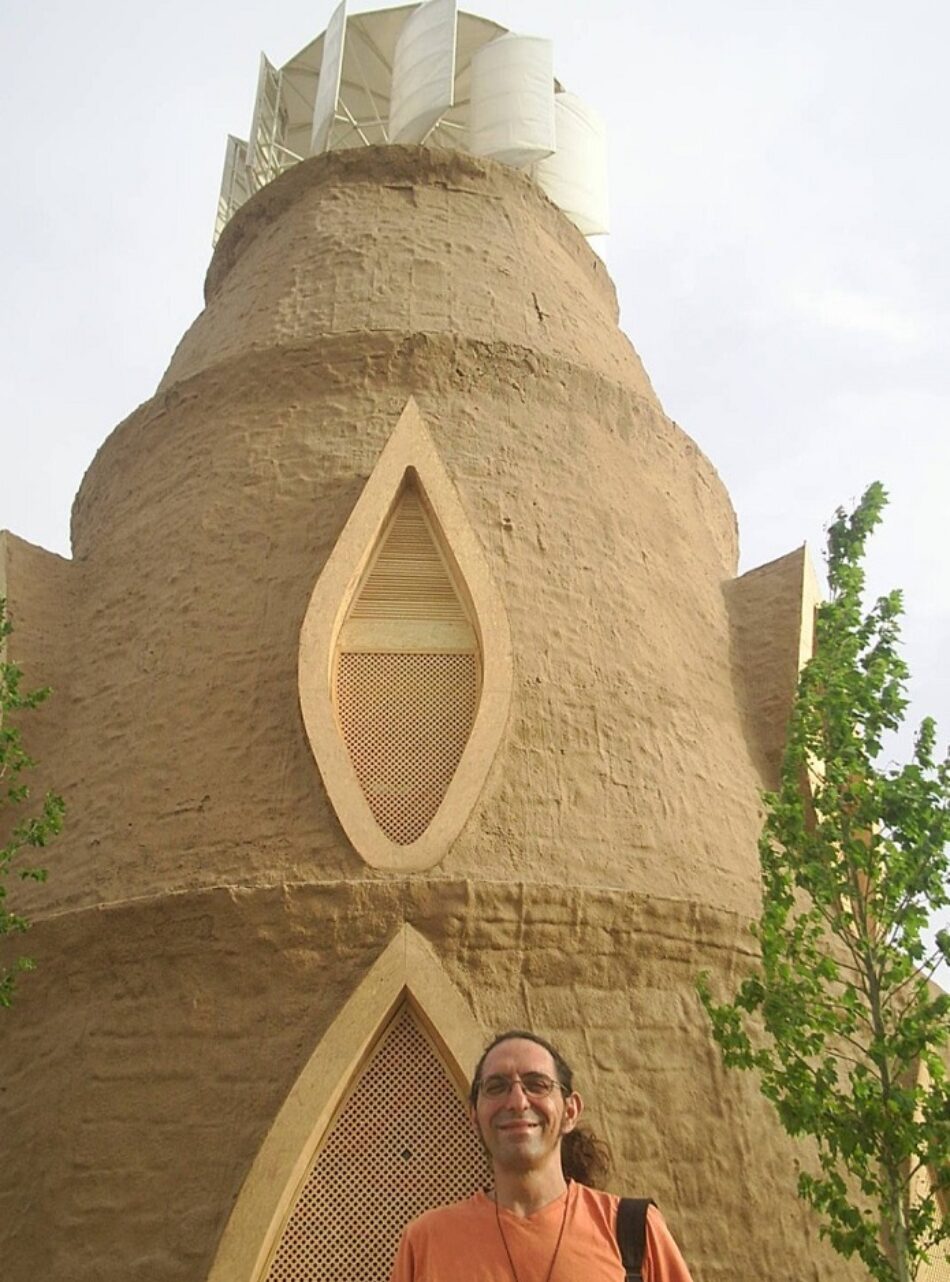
(811, 600)
(407, 971)
(410, 450)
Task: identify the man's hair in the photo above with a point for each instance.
(584, 1157)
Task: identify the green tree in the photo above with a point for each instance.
(841, 1022)
(20, 835)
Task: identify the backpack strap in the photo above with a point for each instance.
(632, 1234)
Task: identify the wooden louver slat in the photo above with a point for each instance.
(409, 578)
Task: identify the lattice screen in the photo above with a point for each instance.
(407, 675)
(401, 1145)
(405, 719)
(924, 1183)
(936, 1271)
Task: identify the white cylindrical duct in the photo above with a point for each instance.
(575, 176)
(423, 71)
(512, 100)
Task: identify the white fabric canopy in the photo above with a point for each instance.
(428, 73)
(328, 88)
(423, 71)
(575, 176)
(512, 103)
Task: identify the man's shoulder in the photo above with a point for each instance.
(602, 1208)
(611, 1201)
(598, 1197)
(597, 1204)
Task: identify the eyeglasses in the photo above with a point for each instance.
(534, 1085)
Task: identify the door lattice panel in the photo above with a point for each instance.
(938, 1270)
(405, 719)
(401, 1145)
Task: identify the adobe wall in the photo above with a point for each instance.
(174, 1028)
(208, 515)
(206, 916)
(407, 240)
(773, 614)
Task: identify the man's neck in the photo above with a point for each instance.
(524, 1192)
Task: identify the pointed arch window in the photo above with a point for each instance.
(405, 661)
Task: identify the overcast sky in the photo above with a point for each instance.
(780, 216)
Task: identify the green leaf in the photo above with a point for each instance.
(28, 832)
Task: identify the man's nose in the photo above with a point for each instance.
(518, 1097)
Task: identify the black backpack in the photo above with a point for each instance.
(632, 1234)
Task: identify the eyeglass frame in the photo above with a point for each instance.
(510, 1082)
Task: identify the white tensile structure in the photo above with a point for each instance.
(424, 73)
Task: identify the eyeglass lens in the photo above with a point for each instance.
(534, 1084)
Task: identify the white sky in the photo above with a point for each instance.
(780, 209)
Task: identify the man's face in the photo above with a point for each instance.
(523, 1132)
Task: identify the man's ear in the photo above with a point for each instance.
(573, 1107)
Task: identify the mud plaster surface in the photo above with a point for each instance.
(173, 1030)
(613, 846)
(206, 518)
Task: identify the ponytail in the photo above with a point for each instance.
(585, 1158)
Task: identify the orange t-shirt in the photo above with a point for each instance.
(462, 1243)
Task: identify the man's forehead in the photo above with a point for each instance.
(518, 1055)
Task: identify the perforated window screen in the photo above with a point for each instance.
(401, 1145)
(406, 680)
(405, 720)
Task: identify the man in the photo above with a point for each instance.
(540, 1222)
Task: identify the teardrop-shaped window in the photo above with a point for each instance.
(407, 675)
(405, 661)
(401, 1144)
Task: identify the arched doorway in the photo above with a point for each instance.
(400, 1144)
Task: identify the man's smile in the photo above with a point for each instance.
(515, 1126)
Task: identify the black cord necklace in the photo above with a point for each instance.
(557, 1245)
